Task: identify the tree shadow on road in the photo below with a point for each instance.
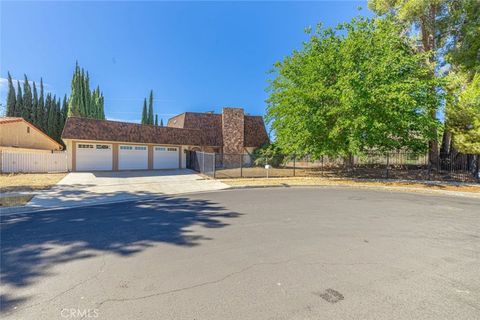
(32, 243)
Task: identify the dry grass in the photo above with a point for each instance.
(28, 181)
(309, 181)
(15, 201)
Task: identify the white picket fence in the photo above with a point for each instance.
(13, 161)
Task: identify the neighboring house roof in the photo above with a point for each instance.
(8, 120)
(255, 133)
(105, 130)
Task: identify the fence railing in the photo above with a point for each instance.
(13, 161)
(395, 165)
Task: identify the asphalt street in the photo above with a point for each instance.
(278, 253)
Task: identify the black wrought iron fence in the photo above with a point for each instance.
(395, 165)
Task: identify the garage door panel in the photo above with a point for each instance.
(132, 157)
(165, 157)
(93, 157)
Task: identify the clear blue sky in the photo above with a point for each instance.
(196, 56)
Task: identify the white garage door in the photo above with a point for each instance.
(132, 157)
(93, 157)
(165, 157)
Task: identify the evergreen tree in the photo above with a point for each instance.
(161, 122)
(150, 108)
(19, 102)
(64, 109)
(156, 119)
(41, 114)
(26, 112)
(144, 112)
(101, 109)
(35, 106)
(59, 122)
(48, 115)
(83, 102)
(11, 99)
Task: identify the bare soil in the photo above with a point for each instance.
(28, 181)
(314, 181)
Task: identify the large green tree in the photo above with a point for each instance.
(463, 113)
(352, 89)
(450, 31)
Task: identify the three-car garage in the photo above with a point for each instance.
(105, 156)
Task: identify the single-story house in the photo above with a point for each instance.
(111, 145)
(17, 134)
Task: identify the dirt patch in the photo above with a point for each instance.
(28, 181)
(309, 181)
(15, 201)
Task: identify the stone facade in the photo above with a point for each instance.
(233, 128)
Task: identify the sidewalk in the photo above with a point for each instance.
(84, 189)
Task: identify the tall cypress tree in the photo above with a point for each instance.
(150, 108)
(11, 99)
(27, 101)
(64, 109)
(48, 114)
(101, 112)
(144, 112)
(156, 119)
(35, 118)
(83, 102)
(41, 114)
(161, 122)
(58, 120)
(19, 102)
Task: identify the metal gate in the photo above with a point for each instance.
(202, 162)
(192, 160)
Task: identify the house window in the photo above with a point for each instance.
(126, 148)
(140, 148)
(159, 149)
(28, 129)
(172, 149)
(85, 146)
(103, 146)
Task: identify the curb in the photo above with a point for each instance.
(470, 195)
(15, 210)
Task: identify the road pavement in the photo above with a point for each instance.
(279, 253)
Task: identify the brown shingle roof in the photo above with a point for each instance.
(255, 132)
(105, 130)
(188, 128)
(211, 124)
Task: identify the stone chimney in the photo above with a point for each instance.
(233, 130)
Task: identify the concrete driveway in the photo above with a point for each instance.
(85, 188)
(299, 253)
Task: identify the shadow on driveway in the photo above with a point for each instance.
(32, 243)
